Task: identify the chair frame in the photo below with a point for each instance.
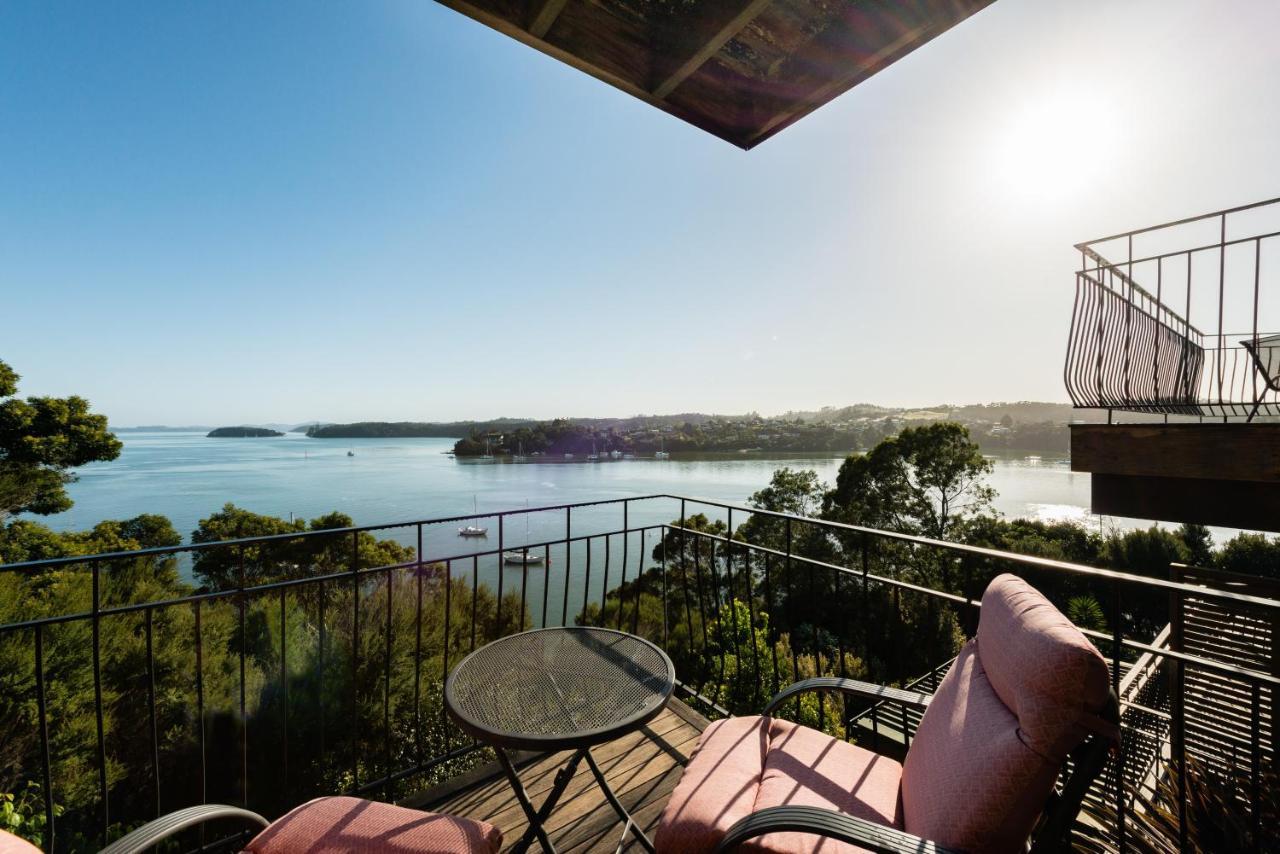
(160, 829)
(1051, 835)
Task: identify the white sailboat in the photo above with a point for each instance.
(661, 453)
(473, 530)
(523, 557)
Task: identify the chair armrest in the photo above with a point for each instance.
(830, 825)
(175, 822)
(849, 686)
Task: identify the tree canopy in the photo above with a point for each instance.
(41, 440)
(921, 481)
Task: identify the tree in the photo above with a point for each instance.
(1253, 554)
(921, 481)
(41, 440)
(797, 492)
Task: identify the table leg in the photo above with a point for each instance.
(539, 816)
(617, 806)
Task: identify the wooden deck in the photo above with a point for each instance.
(642, 768)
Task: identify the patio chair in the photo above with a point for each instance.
(1026, 695)
(324, 826)
(1266, 359)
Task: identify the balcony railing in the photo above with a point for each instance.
(1180, 318)
(313, 668)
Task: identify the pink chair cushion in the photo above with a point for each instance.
(747, 764)
(1021, 695)
(1040, 666)
(718, 786)
(338, 824)
(805, 767)
(10, 844)
(969, 782)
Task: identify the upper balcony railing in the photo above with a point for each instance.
(313, 663)
(1181, 318)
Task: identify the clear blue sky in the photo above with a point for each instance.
(249, 212)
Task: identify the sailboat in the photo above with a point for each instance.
(523, 557)
(593, 456)
(473, 530)
(661, 454)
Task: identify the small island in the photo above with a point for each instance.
(242, 433)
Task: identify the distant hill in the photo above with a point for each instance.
(243, 433)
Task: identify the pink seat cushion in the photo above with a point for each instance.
(969, 782)
(805, 767)
(747, 764)
(338, 824)
(10, 844)
(1041, 666)
(718, 786)
(1025, 691)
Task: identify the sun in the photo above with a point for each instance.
(1052, 147)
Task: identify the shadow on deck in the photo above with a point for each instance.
(642, 768)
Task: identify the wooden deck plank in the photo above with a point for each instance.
(642, 768)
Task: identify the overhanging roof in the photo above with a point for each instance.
(740, 69)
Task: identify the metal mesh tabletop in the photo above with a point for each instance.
(551, 689)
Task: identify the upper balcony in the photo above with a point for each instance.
(313, 663)
(1178, 325)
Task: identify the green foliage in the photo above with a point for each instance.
(22, 813)
(922, 481)
(41, 440)
(220, 569)
(1254, 554)
(1086, 613)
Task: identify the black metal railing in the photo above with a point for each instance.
(317, 665)
(1133, 345)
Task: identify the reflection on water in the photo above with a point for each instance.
(187, 476)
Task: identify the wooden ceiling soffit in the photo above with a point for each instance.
(740, 69)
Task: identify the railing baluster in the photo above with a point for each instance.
(635, 611)
(791, 617)
(604, 584)
(320, 667)
(151, 709)
(284, 694)
(204, 770)
(568, 563)
(758, 676)
(475, 589)
(773, 626)
(242, 639)
(387, 791)
(446, 735)
(355, 663)
(42, 711)
(419, 570)
(502, 559)
(626, 538)
(1116, 645)
(97, 700)
(586, 582)
(546, 583)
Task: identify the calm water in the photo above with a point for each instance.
(187, 476)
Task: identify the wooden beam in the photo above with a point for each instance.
(710, 47)
(546, 16)
(1228, 503)
(1212, 452)
(888, 54)
(631, 87)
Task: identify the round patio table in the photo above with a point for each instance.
(557, 689)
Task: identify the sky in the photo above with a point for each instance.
(236, 212)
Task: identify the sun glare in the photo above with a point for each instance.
(1051, 148)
